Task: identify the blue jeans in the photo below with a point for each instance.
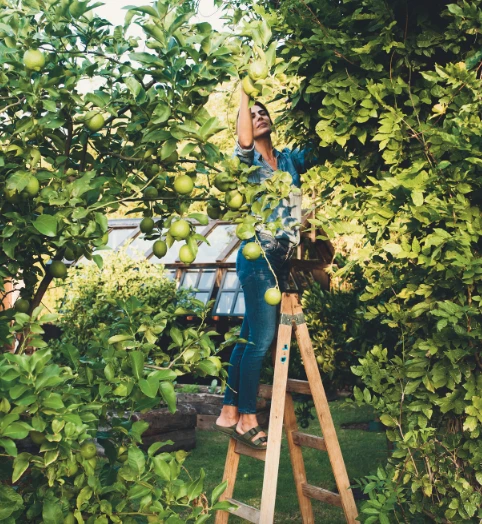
(260, 320)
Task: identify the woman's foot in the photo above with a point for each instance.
(228, 417)
(248, 422)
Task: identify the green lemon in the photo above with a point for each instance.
(234, 199)
(22, 305)
(249, 88)
(258, 70)
(214, 211)
(161, 182)
(272, 296)
(11, 196)
(150, 193)
(159, 248)
(88, 450)
(223, 182)
(69, 254)
(34, 59)
(94, 121)
(58, 269)
(70, 519)
(180, 229)
(183, 185)
(186, 255)
(251, 251)
(32, 186)
(146, 225)
(37, 437)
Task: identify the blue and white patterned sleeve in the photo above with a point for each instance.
(245, 155)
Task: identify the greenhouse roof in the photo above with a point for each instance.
(212, 276)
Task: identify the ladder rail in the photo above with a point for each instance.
(282, 411)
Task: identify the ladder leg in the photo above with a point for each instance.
(297, 462)
(230, 471)
(270, 482)
(324, 417)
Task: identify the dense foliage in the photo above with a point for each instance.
(392, 93)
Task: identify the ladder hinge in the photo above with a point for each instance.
(287, 320)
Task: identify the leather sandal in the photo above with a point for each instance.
(227, 430)
(247, 438)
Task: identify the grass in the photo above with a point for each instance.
(363, 451)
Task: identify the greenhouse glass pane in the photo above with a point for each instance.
(233, 255)
(139, 247)
(171, 274)
(225, 303)
(189, 280)
(207, 280)
(239, 308)
(204, 297)
(219, 238)
(118, 236)
(231, 280)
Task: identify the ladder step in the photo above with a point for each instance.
(293, 386)
(244, 511)
(324, 495)
(242, 449)
(309, 441)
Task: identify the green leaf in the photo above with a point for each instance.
(47, 225)
(149, 386)
(10, 501)
(99, 261)
(16, 430)
(218, 491)
(161, 468)
(133, 85)
(200, 217)
(194, 488)
(168, 148)
(176, 335)
(169, 395)
(9, 446)
(137, 363)
(20, 465)
(161, 113)
(18, 181)
(136, 460)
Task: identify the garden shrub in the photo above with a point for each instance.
(391, 93)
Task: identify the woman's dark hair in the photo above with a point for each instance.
(262, 106)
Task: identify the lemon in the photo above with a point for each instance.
(234, 199)
(249, 88)
(183, 185)
(88, 450)
(150, 193)
(272, 296)
(94, 121)
(258, 70)
(22, 305)
(214, 211)
(223, 182)
(146, 225)
(251, 251)
(159, 248)
(180, 229)
(58, 269)
(186, 255)
(32, 187)
(34, 59)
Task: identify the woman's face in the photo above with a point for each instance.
(261, 122)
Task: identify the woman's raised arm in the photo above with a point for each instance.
(245, 123)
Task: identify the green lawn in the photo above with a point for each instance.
(363, 451)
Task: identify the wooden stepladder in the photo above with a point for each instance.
(282, 411)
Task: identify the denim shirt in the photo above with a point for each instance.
(294, 162)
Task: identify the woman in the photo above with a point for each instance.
(254, 147)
